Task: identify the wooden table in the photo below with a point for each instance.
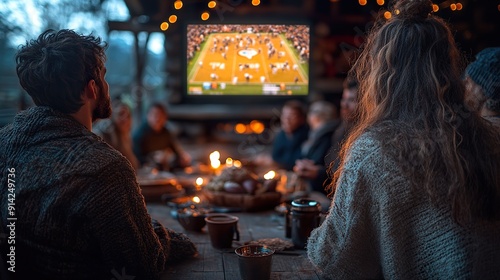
(223, 264)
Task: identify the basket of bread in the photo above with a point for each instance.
(239, 187)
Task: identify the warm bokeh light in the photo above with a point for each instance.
(229, 162)
(269, 175)
(205, 15)
(380, 2)
(196, 199)
(178, 5)
(453, 7)
(199, 181)
(459, 6)
(215, 155)
(164, 26)
(212, 4)
(257, 127)
(215, 164)
(435, 8)
(396, 12)
(214, 159)
(172, 18)
(237, 163)
(240, 128)
(387, 15)
(256, 2)
(362, 2)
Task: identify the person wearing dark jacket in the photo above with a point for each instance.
(287, 144)
(153, 143)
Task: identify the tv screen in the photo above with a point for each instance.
(247, 60)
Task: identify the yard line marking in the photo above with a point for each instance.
(235, 52)
(292, 54)
(196, 67)
(264, 64)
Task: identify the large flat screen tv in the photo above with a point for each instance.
(256, 63)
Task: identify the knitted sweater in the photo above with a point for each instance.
(378, 227)
(80, 214)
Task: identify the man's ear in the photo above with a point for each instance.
(91, 90)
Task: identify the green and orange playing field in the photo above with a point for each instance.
(247, 63)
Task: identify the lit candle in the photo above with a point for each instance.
(229, 162)
(199, 183)
(196, 200)
(270, 183)
(215, 160)
(269, 175)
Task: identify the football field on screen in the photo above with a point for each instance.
(245, 66)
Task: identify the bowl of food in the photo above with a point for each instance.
(239, 187)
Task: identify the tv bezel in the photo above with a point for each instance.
(242, 99)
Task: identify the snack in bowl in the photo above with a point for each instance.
(239, 187)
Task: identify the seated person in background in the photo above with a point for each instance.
(287, 143)
(79, 210)
(116, 131)
(317, 171)
(154, 144)
(482, 79)
(322, 121)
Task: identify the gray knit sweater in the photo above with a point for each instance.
(378, 227)
(80, 214)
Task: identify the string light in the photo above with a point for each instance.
(212, 4)
(387, 15)
(172, 18)
(380, 2)
(435, 8)
(459, 6)
(256, 2)
(205, 15)
(453, 7)
(178, 4)
(164, 26)
(362, 2)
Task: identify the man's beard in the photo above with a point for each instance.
(103, 106)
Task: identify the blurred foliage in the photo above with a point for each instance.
(21, 20)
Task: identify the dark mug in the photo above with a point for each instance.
(305, 215)
(223, 229)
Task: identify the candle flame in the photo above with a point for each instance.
(215, 164)
(199, 181)
(214, 159)
(215, 155)
(269, 175)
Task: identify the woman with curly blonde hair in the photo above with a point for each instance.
(417, 195)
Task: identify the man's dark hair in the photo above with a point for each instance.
(55, 68)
